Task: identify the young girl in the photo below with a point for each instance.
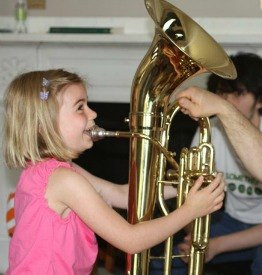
(59, 206)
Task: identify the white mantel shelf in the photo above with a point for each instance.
(146, 38)
(77, 38)
(227, 31)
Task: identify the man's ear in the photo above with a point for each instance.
(259, 104)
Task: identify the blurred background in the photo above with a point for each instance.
(135, 8)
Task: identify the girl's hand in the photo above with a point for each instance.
(207, 200)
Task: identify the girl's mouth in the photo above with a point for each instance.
(95, 132)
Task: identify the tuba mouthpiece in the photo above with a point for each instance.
(97, 133)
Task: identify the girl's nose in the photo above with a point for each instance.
(91, 113)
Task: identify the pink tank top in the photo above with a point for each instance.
(43, 242)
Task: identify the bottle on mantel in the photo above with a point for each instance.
(21, 16)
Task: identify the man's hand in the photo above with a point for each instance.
(184, 248)
(197, 102)
(211, 252)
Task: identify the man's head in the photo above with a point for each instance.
(244, 92)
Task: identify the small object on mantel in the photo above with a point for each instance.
(21, 16)
(5, 30)
(85, 30)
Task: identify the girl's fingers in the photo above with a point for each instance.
(216, 183)
(219, 190)
(215, 186)
(197, 184)
(220, 198)
(217, 207)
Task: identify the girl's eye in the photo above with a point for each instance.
(80, 107)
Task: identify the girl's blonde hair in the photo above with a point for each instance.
(31, 132)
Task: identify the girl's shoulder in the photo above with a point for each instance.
(47, 164)
(43, 169)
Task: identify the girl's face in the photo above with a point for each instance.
(75, 118)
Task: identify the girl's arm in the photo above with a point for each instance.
(115, 195)
(72, 190)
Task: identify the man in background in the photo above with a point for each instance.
(237, 138)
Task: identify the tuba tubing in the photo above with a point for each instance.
(180, 50)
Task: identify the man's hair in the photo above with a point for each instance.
(31, 132)
(249, 77)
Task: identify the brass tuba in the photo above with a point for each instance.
(180, 49)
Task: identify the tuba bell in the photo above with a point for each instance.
(180, 50)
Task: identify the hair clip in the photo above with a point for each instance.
(44, 94)
(45, 82)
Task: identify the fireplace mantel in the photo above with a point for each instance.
(107, 62)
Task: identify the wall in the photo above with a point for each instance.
(135, 8)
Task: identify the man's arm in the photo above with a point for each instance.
(245, 138)
(236, 241)
(247, 238)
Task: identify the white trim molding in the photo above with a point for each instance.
(135, 30)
